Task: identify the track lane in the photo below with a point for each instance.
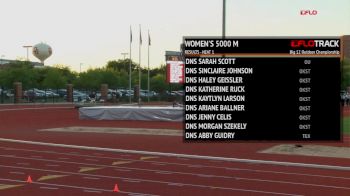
(43, 188)
(162, 168)
(153, 186)
(191, 172)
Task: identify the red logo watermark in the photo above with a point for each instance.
(304, 43)
(308, 12)
(314, 43)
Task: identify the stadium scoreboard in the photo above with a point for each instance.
(262, 88)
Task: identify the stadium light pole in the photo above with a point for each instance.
(223, 19)
(124, 55)
(27, 47)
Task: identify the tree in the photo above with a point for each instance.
(20, 72)
(158, 70)
(114, 73)
(110, 77)
(345, 74)
(54, 79)
(158, 83)
(65, 71)
(121, 64)
(88, 80)
(123, 79)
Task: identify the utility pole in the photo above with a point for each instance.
(124, 55)
(27, 47)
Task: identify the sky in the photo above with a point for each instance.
(92, 32)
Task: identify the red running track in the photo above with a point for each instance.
(23, 125)
(137, 174)
(159, 175)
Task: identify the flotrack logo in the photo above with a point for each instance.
(314, 43)
(308, 12)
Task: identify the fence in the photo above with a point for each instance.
(112, 96)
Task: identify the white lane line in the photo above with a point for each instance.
(133, 194)
(204, 176)
(181, 164)
(50, 188)
(195, 166)
(233, 168)
(15, 172)
(178, 164)
(41, 108)
(295, 183)
(228, 177)
(163, 172)
(98, 154)
(98, 165)
(163, 182)
(182, 159)
(184, 173)
(87, 156)
(175, 184)
(91, 178)
(114, 158)
(134, 181)
(89, 191)
(122, 170)
(11, 155)
(73, 187)
(161, 164)
(52, 165)
(307, 165)
(22, 163)
(125, 155)
(95, 160)
(288, 173)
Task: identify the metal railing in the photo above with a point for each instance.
(36, 95)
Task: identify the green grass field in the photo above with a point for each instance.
(346, 125)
